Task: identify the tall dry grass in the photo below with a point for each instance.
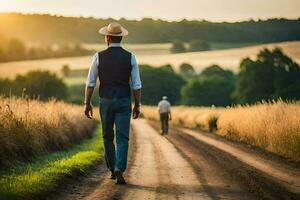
(29, 128)
(273, 126)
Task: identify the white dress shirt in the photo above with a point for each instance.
(93, 71)
(164, 106)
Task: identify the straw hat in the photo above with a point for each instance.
(113, 29)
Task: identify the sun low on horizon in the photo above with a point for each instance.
(213, 10)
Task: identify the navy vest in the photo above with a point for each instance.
(114, 72)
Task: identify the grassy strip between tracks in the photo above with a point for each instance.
(30, 180)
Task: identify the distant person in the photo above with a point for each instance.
(116, 68)
(164, 109)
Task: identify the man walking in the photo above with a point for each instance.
(116, 69)
(164, 109)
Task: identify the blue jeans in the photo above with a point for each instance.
(115, 113)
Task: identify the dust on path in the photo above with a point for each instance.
(188, 165)
(160, 171)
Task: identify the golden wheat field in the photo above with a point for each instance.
(30, 127)
(273, 126)
(156, 55)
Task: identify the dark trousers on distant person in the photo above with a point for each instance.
(164, 119)
(115, 112)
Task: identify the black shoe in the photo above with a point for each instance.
(120, 178)
(113, 176)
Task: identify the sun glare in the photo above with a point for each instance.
(8, 5)
(231, 10)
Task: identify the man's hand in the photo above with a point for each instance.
(136, 111)
(137, 105)
(88, 111)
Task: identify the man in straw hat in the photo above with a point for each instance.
(118, 73)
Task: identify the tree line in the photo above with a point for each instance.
(47, 29)
(272, 75)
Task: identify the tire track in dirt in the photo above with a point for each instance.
(209, 167)
(160, 172)
(180, 178)
(257, 182)
(284, 177)
(143, 177)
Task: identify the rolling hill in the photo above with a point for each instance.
(228, 59)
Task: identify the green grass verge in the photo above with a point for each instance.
(29, 180)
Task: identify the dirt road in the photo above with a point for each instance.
(192, 165)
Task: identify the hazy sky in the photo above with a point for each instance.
(213, 10)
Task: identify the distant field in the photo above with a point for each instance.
(227, 45)
(229, 59)
(139, 49)
(164, 48)
(155, 54)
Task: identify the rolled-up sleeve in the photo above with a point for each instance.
(135, 74)
(93, 72)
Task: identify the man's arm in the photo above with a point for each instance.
(136, 86)
(88, 109)
(137, 103)
(90, 85)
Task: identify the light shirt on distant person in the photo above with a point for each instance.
(93, 71)
(164, 106)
